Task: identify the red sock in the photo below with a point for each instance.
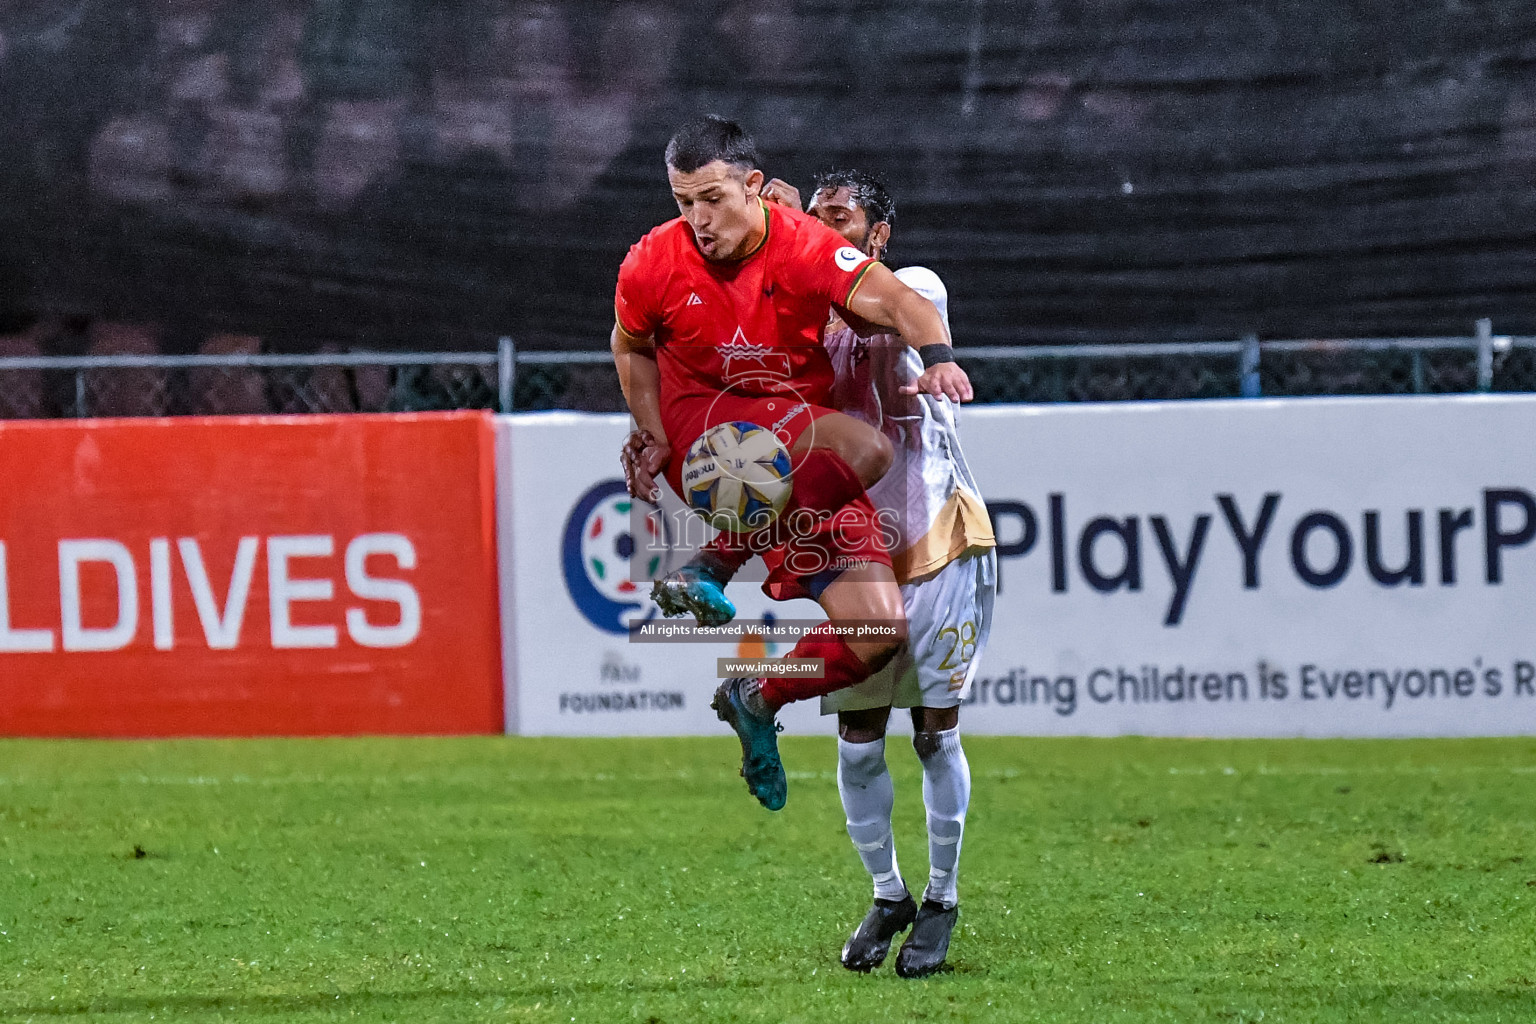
(727, 553)
(843, 668)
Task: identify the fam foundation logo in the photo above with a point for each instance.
(606, 580)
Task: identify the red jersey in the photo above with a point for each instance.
(751, 327)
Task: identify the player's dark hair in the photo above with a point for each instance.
(865, 191)
(707, 139)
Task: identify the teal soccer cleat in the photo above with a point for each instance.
(760, 764)
(694, 590)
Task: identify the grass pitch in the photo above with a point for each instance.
(635, 880)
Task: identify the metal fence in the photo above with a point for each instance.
(153, 385)
(509, 379)
(1251, 368)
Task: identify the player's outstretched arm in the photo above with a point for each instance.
(882, 299)
(646, 451)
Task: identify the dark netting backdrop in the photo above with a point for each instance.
(412, 174)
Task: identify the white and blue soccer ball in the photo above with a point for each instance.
(737, 476)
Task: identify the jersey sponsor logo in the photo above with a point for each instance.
(694, 300)
(849, 258)
(783, 421)
(597, 552)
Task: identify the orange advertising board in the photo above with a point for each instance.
(290, 575)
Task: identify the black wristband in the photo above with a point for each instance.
(932, 354)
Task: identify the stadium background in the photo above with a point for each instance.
(195, 176)
(393, 181)
(404, 175)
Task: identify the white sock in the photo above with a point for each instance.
(865, 786)
(946, 795)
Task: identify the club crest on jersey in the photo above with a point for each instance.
(847, 258)
(745, 360)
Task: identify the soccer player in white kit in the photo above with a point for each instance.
(944, 555)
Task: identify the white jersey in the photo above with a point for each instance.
(938, 511)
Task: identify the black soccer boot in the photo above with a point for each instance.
(925, 949)
(871, 940)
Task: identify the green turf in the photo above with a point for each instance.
(634, 880)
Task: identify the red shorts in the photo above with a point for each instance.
(818, 549)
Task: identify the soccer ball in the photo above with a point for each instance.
(737, 476)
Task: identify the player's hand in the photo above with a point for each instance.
(946, 379)
(643, 457)
(782, 192)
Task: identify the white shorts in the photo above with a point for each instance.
(949, 616)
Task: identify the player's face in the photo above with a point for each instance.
(720, 203)
(835, 208)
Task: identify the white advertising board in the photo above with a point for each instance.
(565, 538)
(1312, 567)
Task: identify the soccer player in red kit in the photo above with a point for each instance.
(720, 315)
